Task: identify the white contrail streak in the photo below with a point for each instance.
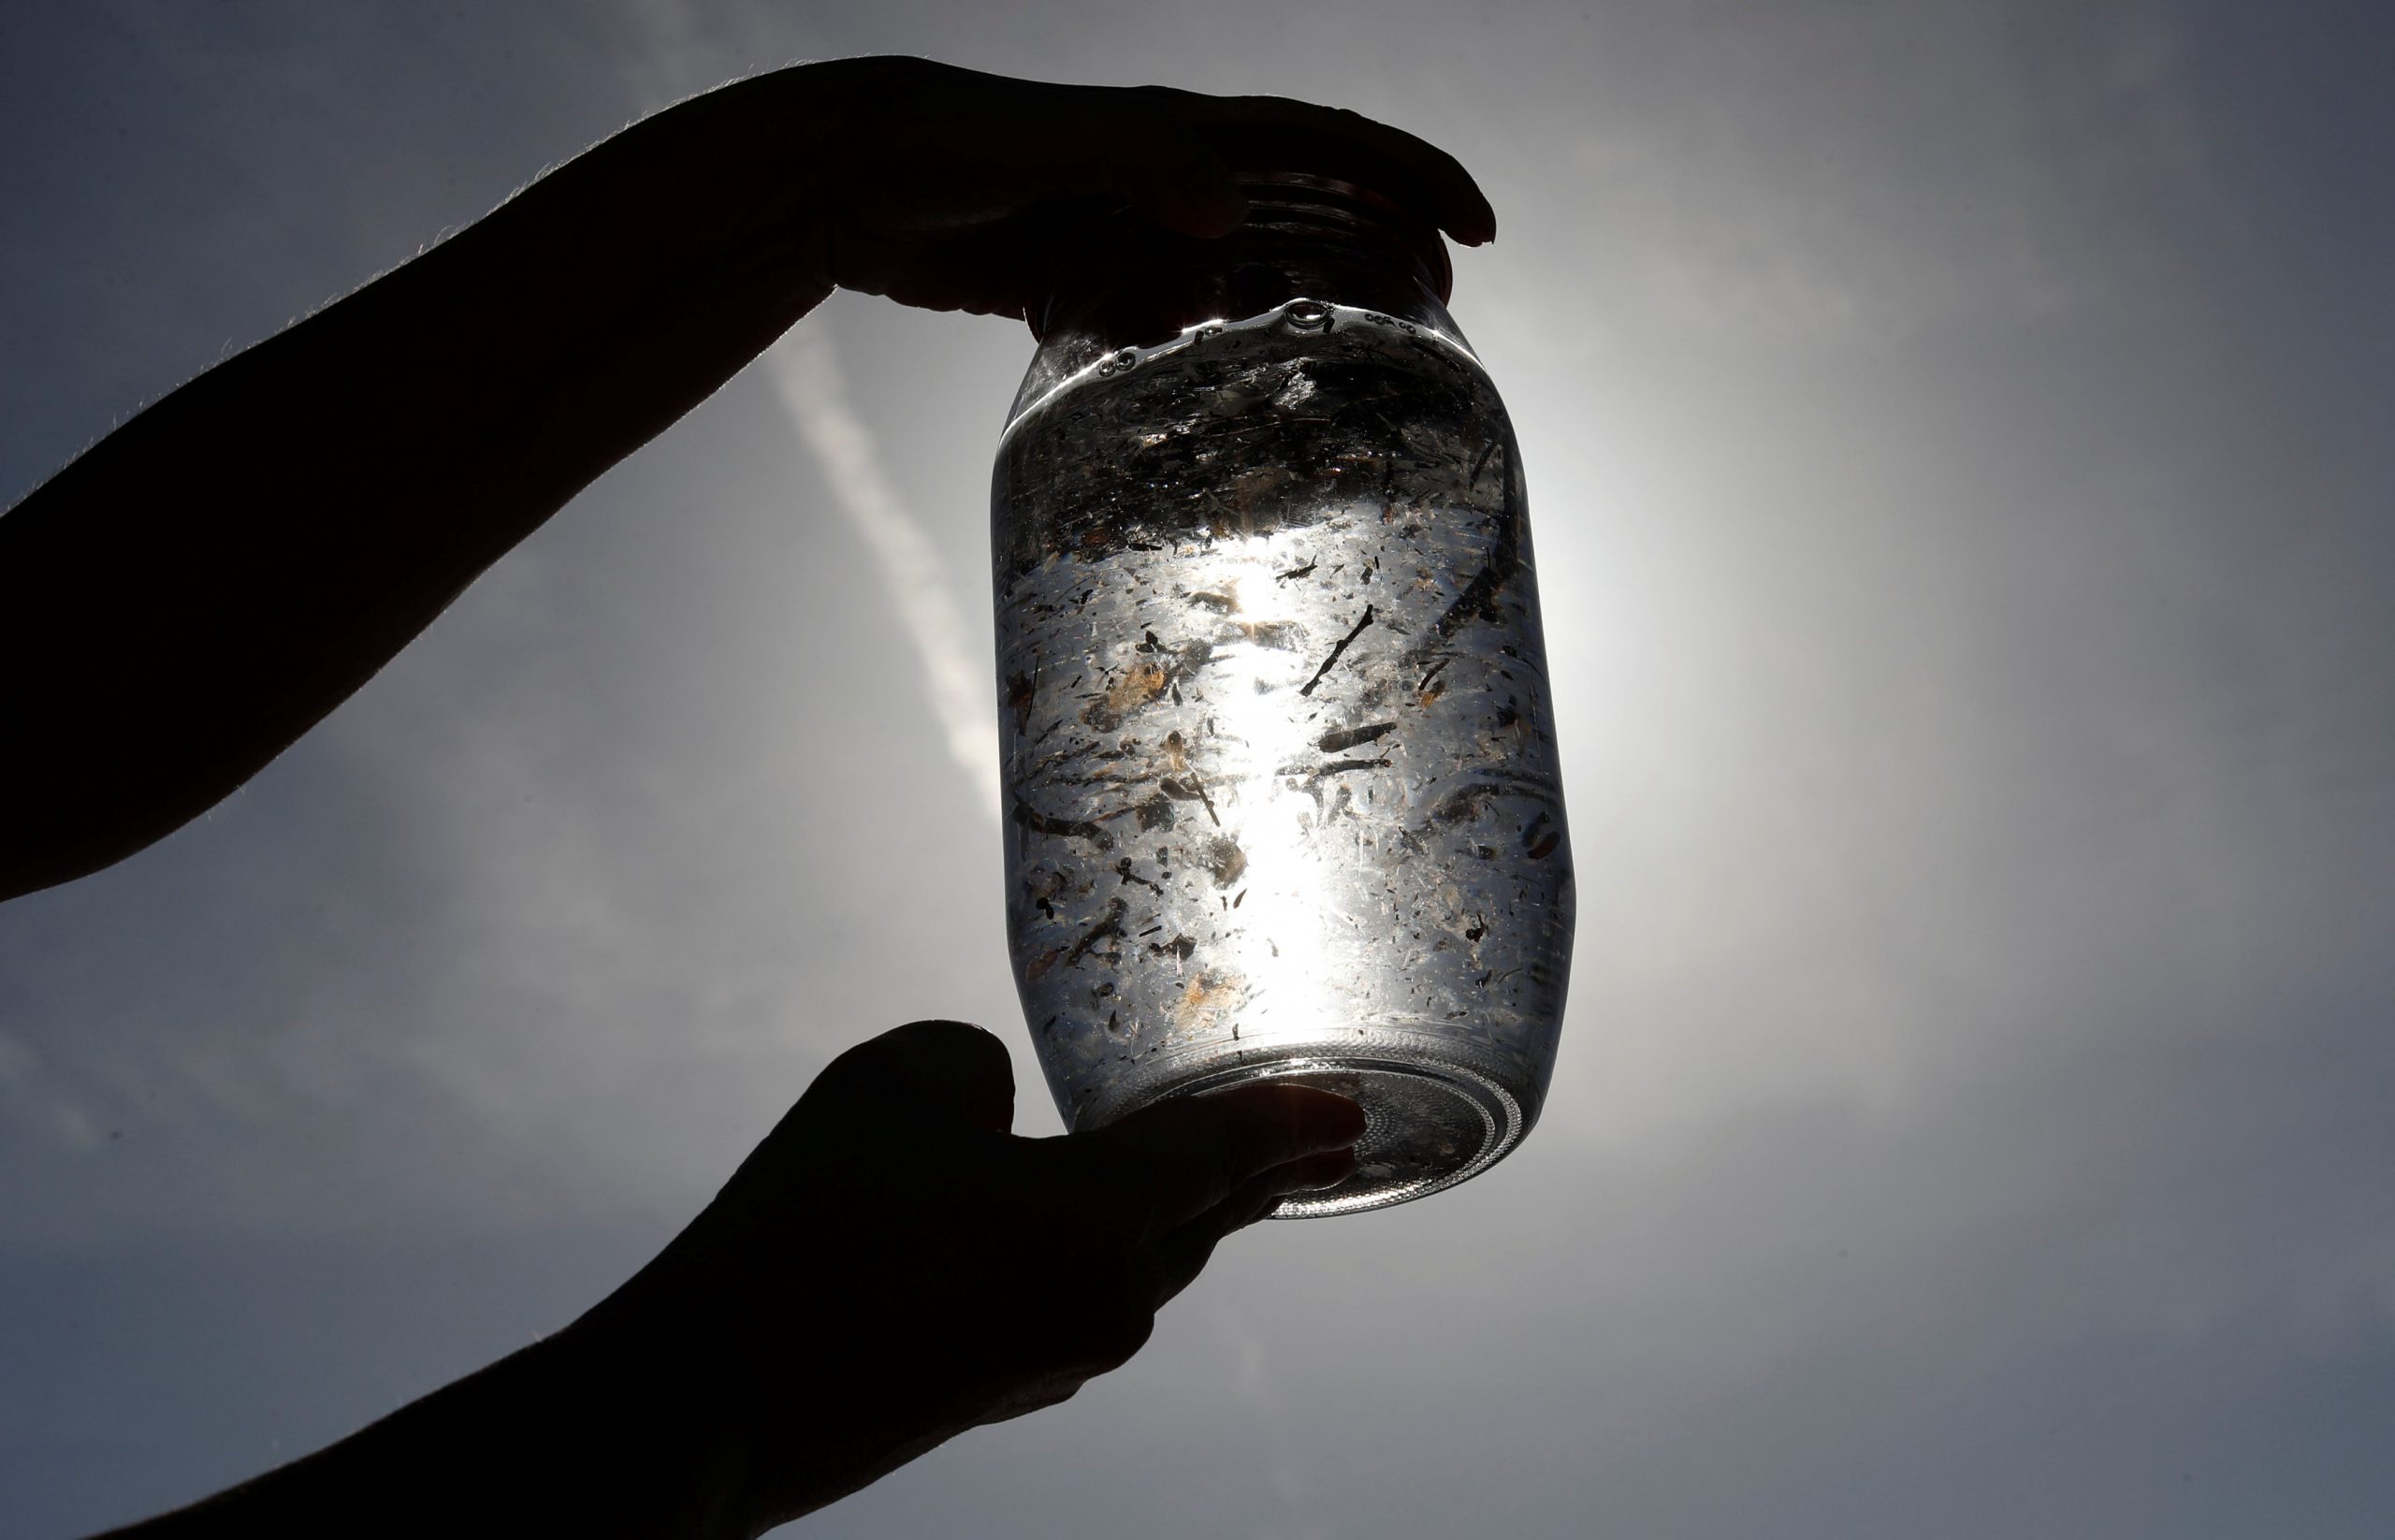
(805, 372)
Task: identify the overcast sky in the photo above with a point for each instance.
(1958, 438)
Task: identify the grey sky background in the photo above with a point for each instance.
(1959, 455)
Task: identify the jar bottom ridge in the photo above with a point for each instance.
(1431, 1119)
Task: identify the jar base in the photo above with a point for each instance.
(1428, 1123)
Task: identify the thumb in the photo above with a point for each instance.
(939, 1069)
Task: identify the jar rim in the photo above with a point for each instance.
(1419, 235)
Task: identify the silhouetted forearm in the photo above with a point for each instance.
(206, 583)
(555, 1440)
(189, 597)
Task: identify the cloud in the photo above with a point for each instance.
(57, 1117)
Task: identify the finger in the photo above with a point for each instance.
(1281, 134)
(1182, 1157)
(1112, 143)
(1030, 143)
(942, 1069)
(1181, 185)
(1179, 1257)
(1174, 154)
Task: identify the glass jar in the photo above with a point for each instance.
(1280, 764)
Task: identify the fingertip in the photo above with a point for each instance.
(1317, 1172)
(1468, 217)
(1301, 1118)
(1331, 1120)
(1310, 1173)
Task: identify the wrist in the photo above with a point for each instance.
(663, 1438)
(783, 1392)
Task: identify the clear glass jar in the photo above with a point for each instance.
(1279, 753)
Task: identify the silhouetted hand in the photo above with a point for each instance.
(893, 1266)
(936, 185)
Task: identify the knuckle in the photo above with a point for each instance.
(1115, 1284)
(1115, 1336)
